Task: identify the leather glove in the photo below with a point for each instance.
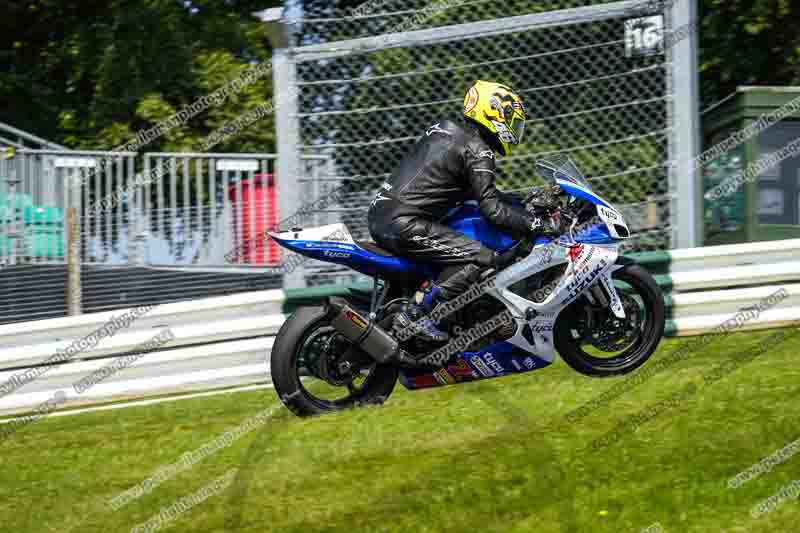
(547, 225)
(543, 199)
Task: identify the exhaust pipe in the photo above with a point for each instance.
(370, 337)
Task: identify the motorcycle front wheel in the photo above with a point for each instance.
(595, 343)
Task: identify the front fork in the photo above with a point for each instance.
(605, 294)
(606, 286)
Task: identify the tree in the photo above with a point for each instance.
(747, 42)
(92, 74)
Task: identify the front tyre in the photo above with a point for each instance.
(595, 343)
(308, 347)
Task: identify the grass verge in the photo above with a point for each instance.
(497, 455)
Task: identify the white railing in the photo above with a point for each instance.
(756, 253)
(218, 342)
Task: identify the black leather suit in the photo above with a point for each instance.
(451, 163)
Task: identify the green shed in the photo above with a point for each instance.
(767, 205)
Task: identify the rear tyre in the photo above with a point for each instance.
(307, 329)
(571, 341)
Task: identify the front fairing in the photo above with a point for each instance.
(610, 226)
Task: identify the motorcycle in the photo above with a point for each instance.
(572, 295)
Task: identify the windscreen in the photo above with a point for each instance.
(562, 167)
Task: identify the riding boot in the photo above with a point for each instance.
(415, 315)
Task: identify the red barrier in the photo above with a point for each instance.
(258, 204)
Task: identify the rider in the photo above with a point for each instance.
(454, 161)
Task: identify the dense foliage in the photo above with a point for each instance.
(747, 42)
(92, 73)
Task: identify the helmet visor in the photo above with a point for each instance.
(518, 128)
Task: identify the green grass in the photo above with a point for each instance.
(490, 456)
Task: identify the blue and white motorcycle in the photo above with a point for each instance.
(574, 295)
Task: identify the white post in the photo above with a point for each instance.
(284, 81)
(685, 179)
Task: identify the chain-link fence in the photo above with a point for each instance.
(373, 78)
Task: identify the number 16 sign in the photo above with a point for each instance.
(644, 36)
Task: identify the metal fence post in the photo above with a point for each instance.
(12, 181)
(284, 76)
(73, 259)
(685, 177)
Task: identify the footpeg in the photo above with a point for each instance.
(420, 325)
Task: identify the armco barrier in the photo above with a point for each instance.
(226, 341)
(218, 342)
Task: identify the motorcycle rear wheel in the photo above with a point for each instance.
(302, 396)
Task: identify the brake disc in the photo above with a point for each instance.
(334, 364)
(614, 334)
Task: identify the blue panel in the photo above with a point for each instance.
(594, 235)
(467, 220)
(500, 359)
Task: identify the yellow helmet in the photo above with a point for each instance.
(499, 109)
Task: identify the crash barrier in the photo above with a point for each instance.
(214, 342)
(226, 341)
(705, 286)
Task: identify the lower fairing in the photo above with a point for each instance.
(500, 359)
